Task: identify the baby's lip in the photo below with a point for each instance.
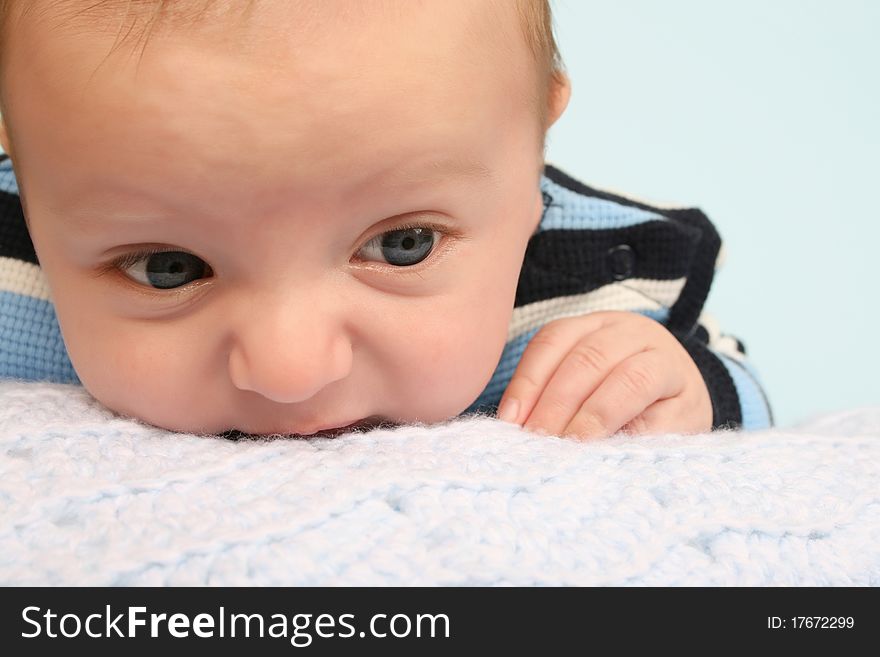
(365, 423)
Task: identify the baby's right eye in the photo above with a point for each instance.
(163, 270)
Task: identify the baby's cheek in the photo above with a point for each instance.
(472, 335)
(137, 374)
(459, 358)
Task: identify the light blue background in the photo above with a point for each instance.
(764, 114)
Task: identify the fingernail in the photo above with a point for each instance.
(508, 410)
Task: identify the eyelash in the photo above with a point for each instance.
(447, 234)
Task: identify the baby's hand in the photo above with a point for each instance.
(594, 375)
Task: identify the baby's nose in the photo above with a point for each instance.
(288, 366)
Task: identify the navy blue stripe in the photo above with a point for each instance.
(726, 407)
(565, 262)
(15, 242)
(706, 242)
(686, 311)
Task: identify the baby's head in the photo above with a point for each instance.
(279, 216)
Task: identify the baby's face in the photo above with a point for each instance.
(286, 222)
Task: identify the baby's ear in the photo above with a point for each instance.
(558, 96)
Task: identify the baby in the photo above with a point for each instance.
(294, 217)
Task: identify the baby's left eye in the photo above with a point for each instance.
(403, 247)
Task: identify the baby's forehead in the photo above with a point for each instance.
(484, 34)
(277, 93)
(367, 35)
(139, 20)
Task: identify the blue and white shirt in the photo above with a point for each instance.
(591, 251)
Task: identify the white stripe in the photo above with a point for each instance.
(24, 278)
(718, 341)
(632, 294)
(722, 257)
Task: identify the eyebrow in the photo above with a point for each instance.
(434, 171)
(444, 168)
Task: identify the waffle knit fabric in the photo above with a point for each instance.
(93, 499)
(592, 251)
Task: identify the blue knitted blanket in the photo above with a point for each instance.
(91, 498)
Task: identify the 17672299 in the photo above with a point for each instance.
(810, 622)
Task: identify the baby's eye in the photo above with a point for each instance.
(403, 247)
(164, 270)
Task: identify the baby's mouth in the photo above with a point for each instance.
(360, 426)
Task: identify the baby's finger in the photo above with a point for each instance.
(541, 357)
(584, 367)
(635, 384)
(669, 416)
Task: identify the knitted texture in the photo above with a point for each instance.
(93, 499)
